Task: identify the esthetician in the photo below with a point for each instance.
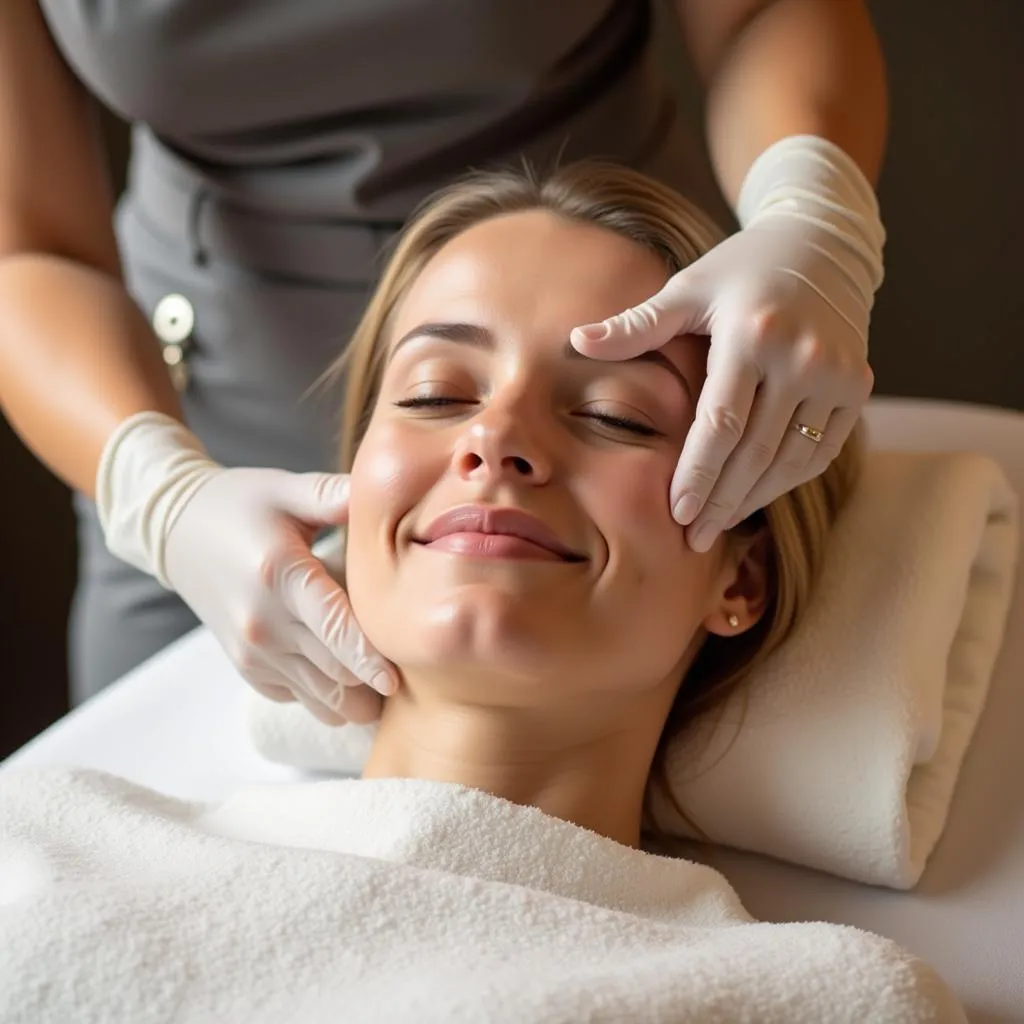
(276, 149)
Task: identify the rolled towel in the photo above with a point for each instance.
(846, 755)
(289, 734)
(856, 728)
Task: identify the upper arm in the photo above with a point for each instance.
(710, 26)
(55, 194)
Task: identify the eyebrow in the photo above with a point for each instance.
(480, 337)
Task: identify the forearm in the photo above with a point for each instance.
(793, 67)
(76, 358)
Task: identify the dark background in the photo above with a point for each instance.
(948, 322)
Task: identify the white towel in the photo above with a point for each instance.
(398, 901)
(288, 734)
(856, 729)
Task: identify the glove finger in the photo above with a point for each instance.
(295, 672)
(677, 309)
(722, 412)
(332, 704)
(320, 712)
(752, 457)
(840, 426)
(789, 467)
(796, 451)
(315, 691)
(351, 699)
(359, 704)
(319, 499)
(318, 602)
(311, 648)
(278, 694)
(257, 668)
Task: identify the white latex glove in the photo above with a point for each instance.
(786, 302)
(235, 545)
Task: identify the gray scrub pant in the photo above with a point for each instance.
(273, 306)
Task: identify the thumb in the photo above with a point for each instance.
(317, 499)
(676, 309)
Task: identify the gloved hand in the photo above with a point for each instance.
(786, 302)
(235, 544)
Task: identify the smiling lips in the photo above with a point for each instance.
(486, 532)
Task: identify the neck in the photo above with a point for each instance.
(578, 762)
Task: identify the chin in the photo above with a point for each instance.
(481, 628)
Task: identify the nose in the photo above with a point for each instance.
(497, 445)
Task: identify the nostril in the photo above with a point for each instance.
(521, 465)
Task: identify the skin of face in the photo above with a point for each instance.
(497, 411)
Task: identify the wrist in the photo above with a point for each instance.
(150, 468)
(813, 180)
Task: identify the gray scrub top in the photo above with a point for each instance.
(276, 145)
(360, 108)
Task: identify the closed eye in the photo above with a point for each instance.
(622, 423)
(430, 402)
(606, 419)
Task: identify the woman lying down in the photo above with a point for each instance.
(511, 549)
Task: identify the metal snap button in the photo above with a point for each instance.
(173, 319)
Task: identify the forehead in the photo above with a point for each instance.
(532, 269)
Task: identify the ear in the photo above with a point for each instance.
(741, 594)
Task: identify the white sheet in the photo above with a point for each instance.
(177, 724)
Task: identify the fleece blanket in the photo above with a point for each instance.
(393, 900)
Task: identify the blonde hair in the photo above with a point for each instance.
(658, 219)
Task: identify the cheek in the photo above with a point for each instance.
(390, 475)
(630, 505)
(379, 476)
(653, 580)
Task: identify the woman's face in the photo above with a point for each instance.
(509, 517)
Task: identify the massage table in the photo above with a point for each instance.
(176, 724)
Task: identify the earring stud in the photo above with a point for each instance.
(733, 620)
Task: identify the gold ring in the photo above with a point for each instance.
(811, 433)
